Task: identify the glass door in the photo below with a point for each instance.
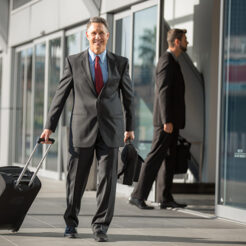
(137, 39)
(75, 42)
(1, 74)
(54, 74)
(144, 57)
(232, 155)
(23, 104)
(123, 34)
(39, 84)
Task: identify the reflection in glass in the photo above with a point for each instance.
(19, 158)
(75, 43)
(38, 97)
(233, 130)
(72, 42)
(84, 41)
(28, 126)
(144, 53)
(1, 68)
(123, 37)
(72, 47)
(54, 77)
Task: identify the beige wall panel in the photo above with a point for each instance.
(44, 17)
(72, 13)
(109, 5)
(19, 28)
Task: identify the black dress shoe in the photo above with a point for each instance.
(139, 203)
(70, 232)
(100, 236)
(172, 204)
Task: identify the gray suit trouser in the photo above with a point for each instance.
(79, 164)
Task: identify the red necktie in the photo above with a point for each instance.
(98, 76)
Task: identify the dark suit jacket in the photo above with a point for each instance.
(169, 103)
(92, 113)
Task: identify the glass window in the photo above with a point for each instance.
(23, 117)
(123, 37)
(73, 46)
(75, 43)
(38, 96)
(143, 72)
(233, 128)
(55, 53)
(84, 41)
(29, 104)
(19, 107)
(1, 73)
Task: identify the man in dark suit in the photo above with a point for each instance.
(168, 118)
(97, 79)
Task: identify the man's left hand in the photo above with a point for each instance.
(128, 135)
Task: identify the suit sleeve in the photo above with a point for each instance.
(127, 98)
(59, 100)
(164, 79)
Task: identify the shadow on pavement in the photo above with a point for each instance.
(131, 238)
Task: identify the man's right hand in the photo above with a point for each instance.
(46, 134)
(168, 128)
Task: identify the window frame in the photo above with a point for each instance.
(32, 45)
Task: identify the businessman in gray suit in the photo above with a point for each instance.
(97, 79)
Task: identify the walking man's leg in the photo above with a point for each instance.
(106, 189)
(79, 164)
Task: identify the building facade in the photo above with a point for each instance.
(37, 35)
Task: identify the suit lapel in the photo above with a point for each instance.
(111, 67)
(112, 71)
(85, 67)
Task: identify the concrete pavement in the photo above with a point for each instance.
(44, 225)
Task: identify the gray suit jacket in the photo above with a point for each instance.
(91, 112)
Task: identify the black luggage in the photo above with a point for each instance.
(18, 189)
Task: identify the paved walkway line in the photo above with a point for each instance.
(196, 213)
(41, 221)
(8, 240)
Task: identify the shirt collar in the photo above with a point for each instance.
(102, 55)
(175, 58)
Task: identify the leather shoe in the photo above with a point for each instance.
(100, 236)
(70, 232)
(139, 203)
(172, 204)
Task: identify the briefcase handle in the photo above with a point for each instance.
(129, 141)
(182, 140)
(39, 164)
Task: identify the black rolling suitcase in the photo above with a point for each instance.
(18, 189)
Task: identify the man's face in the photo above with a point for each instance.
(98, 36)
(183, 43)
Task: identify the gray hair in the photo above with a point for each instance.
(97, 19)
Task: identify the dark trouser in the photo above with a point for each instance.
(79, 164)
(162, 144)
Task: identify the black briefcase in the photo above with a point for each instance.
(183, 156)
(18, 189)
(129, 164)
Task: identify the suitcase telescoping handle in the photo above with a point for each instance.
(39, 164)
